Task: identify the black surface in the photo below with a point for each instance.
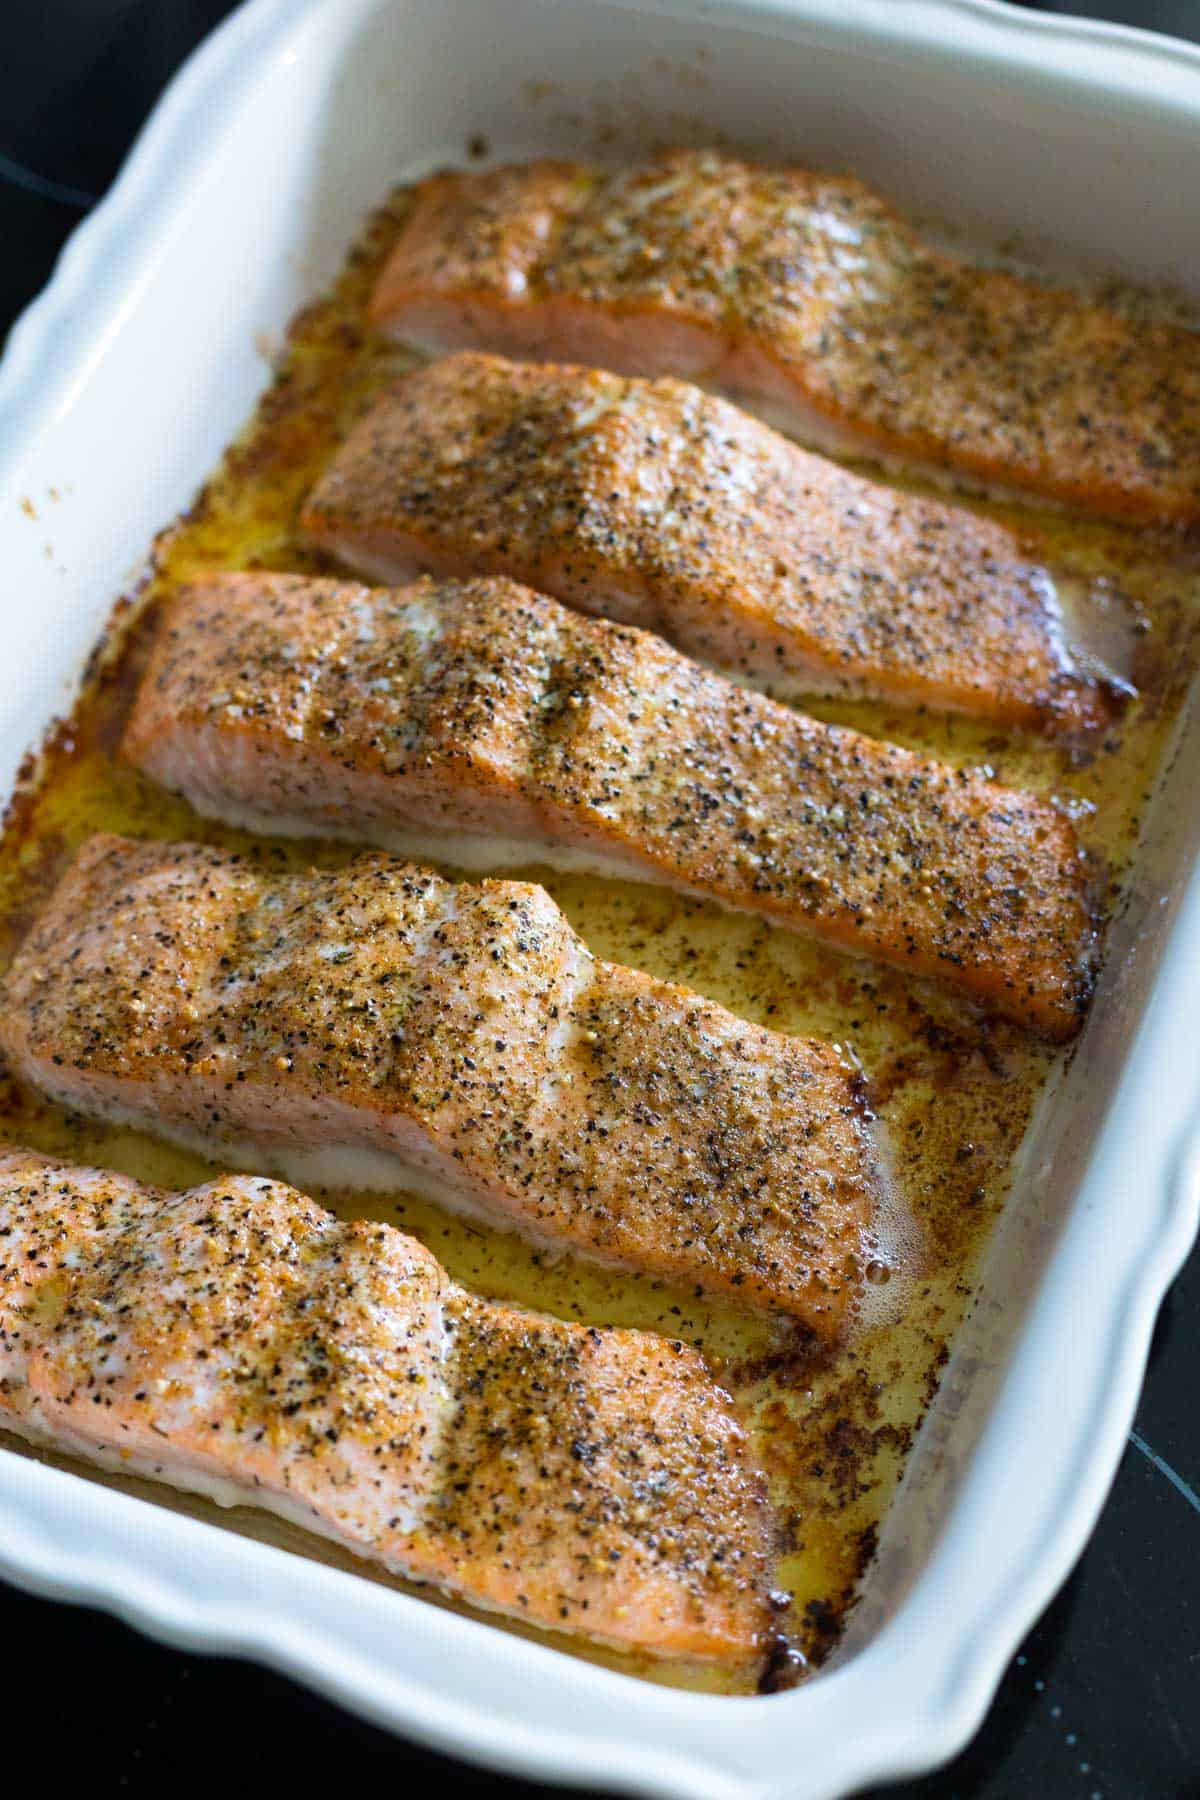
(1101, 1700)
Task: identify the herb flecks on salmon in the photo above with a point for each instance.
(810, 296)
(654, 503)
(485, 722)
(381, 1025)
(593, 1481)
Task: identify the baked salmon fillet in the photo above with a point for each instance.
(809, 296)
(240, 1341)
(653, 503)
(378, 1026)
(487, 724)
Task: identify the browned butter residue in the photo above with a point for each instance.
(953, 1091)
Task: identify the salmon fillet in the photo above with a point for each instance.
(487, 722)
(656, 504)
(378, 1026)
(240, 1341)
(809, 296)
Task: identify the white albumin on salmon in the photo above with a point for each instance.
(810, 298)
(240, 1341)
(653, 503)
(487, 723)
(379, 1026)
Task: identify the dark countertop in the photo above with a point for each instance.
(1101, 1700)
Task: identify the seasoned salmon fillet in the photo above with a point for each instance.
(239, 1340)
(809, 296)
(485, 722)
(653, 503)
(378, 1026)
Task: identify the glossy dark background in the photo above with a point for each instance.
(1102, 1699)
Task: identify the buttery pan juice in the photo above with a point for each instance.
(952, 1092)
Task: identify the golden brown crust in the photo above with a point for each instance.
(591, 1481)
(655, 503)
(467, 1031)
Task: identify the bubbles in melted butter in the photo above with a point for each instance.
(896, 1253)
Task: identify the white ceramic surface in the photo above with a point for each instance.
(121, 386)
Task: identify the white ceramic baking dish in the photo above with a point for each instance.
(119, 390)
